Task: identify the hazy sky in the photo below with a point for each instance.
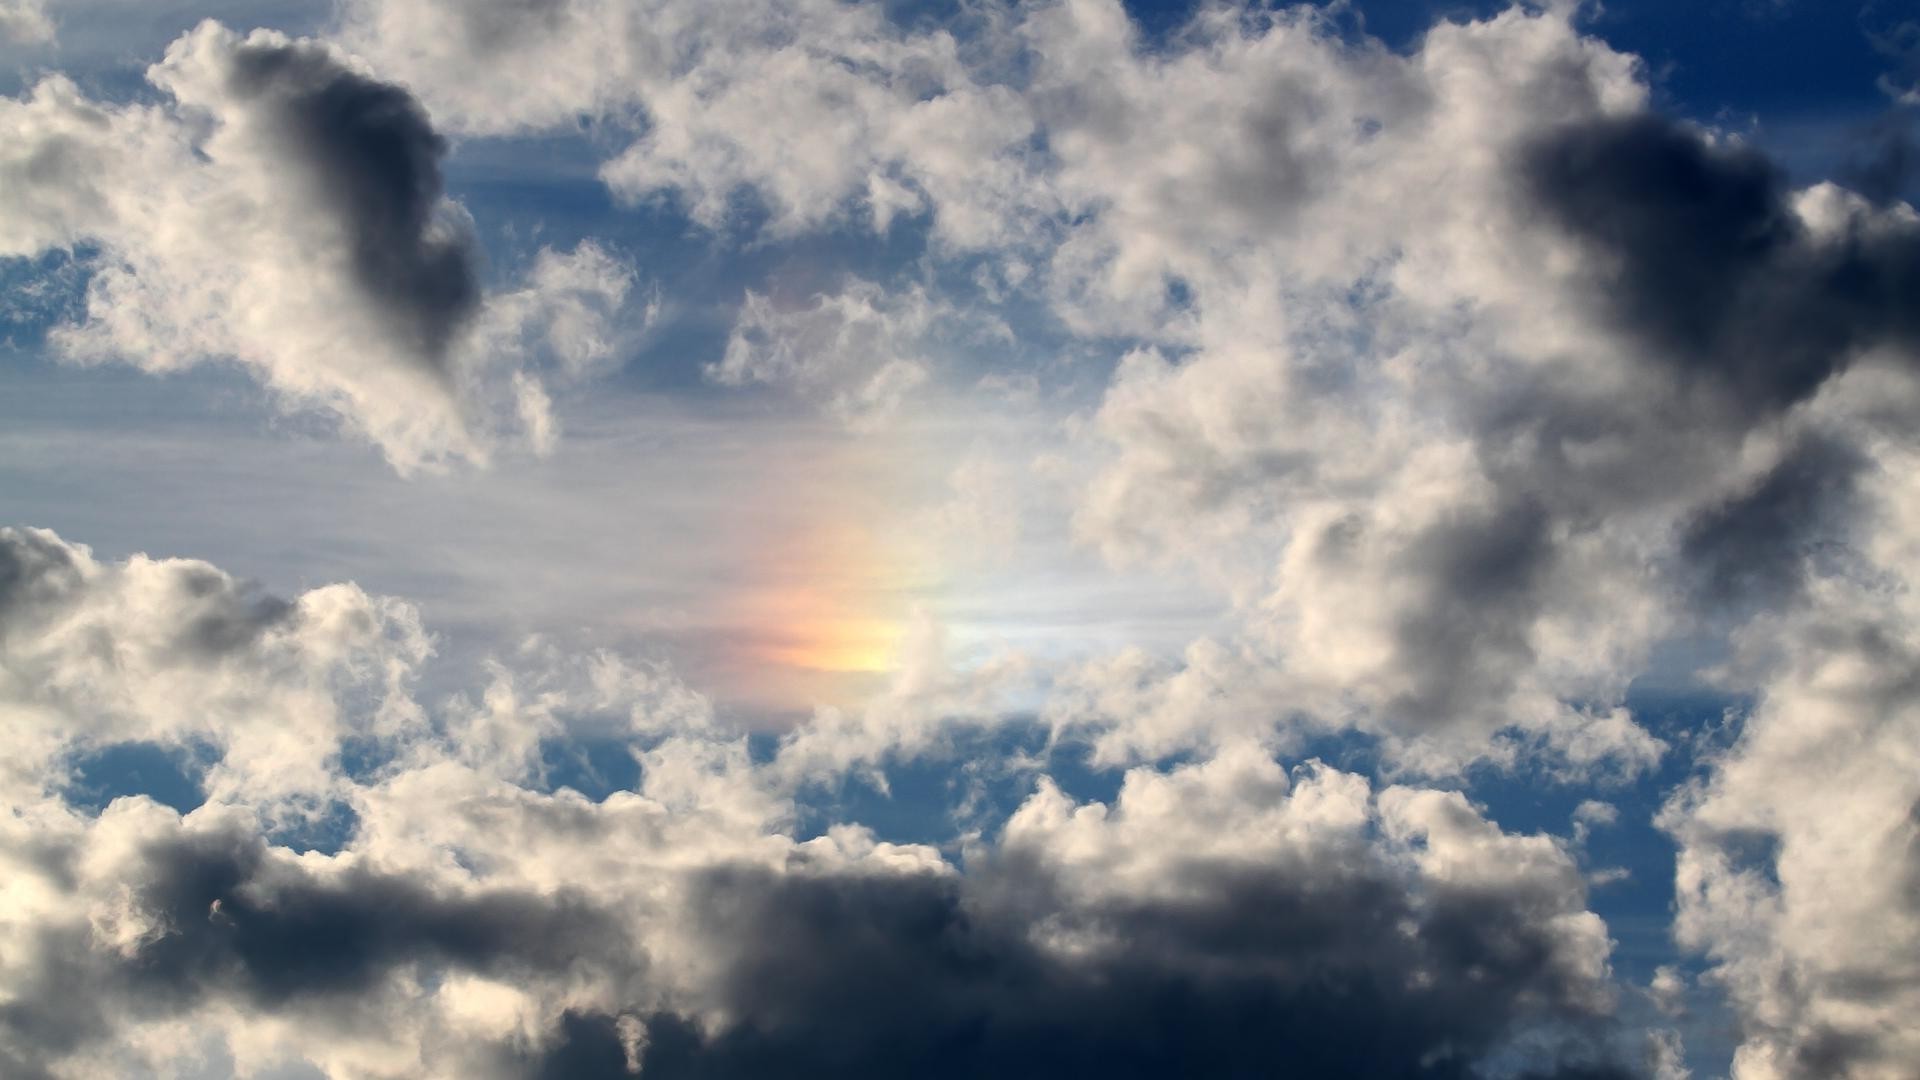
(724, 538)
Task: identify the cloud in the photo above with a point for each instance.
(356, 292)
(927, 699)
(1797, 851)
(372, 154)
(857, 351)
(25, 22)
(1755, 548)
(175, 652)
(1455, 431)
(1407, 374)
(807, 106)
(1457, 378)
(1325, 952)
(470, 922)
(1703, 260)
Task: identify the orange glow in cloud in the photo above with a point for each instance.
(822, 614)
(813, 636)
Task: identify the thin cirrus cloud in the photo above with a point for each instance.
(1469, 393)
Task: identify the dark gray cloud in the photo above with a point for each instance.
(243, 921)
(1754, 550)
(1264, 972)
(1886, 166)
(1701, 262)
(233, 921)
(1485, 572)
(375, 158)
(227, 616)
(1321, 970)
(35, 568)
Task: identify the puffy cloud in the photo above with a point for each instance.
(1451, 427)
(1755, 548)
(356, 290)
(1414, 384)
(810, 105)
(1797, 846)
(1411, 387)
(1462, 377)
(544, 693)
(175, 652)
(173, 914)
(1701, 258)
(1797, 855)
(1162, 934)
(1224, 915)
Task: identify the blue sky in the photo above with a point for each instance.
(653, 538)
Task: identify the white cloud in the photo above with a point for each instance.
(471, 923)
(926, 699)
(174, 652)
(25, 22)
(1797, 854)
(810, 105)
(1422, 369)
(283, 212)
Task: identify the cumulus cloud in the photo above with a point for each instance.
(1411, 372)
(356, 289)
(175, 652)
(1460, 376)
(1452, 427)
(1225, 915)
(1797, 852)
(1074, 957)
(927, 699)
(1701, 258)
(807, 105)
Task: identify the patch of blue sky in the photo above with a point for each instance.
(169, 775)
(967, 789)
(596, 766)
(327, 830)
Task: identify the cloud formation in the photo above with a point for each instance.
(470, 923)
(1462, 385)
(285, 212)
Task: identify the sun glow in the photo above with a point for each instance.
(810, 631)
(822, 613)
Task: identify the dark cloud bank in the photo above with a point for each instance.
(1309, 971)
(1264, 974)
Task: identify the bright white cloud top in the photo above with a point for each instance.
(831, 538)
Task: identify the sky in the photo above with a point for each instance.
(789, 538)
